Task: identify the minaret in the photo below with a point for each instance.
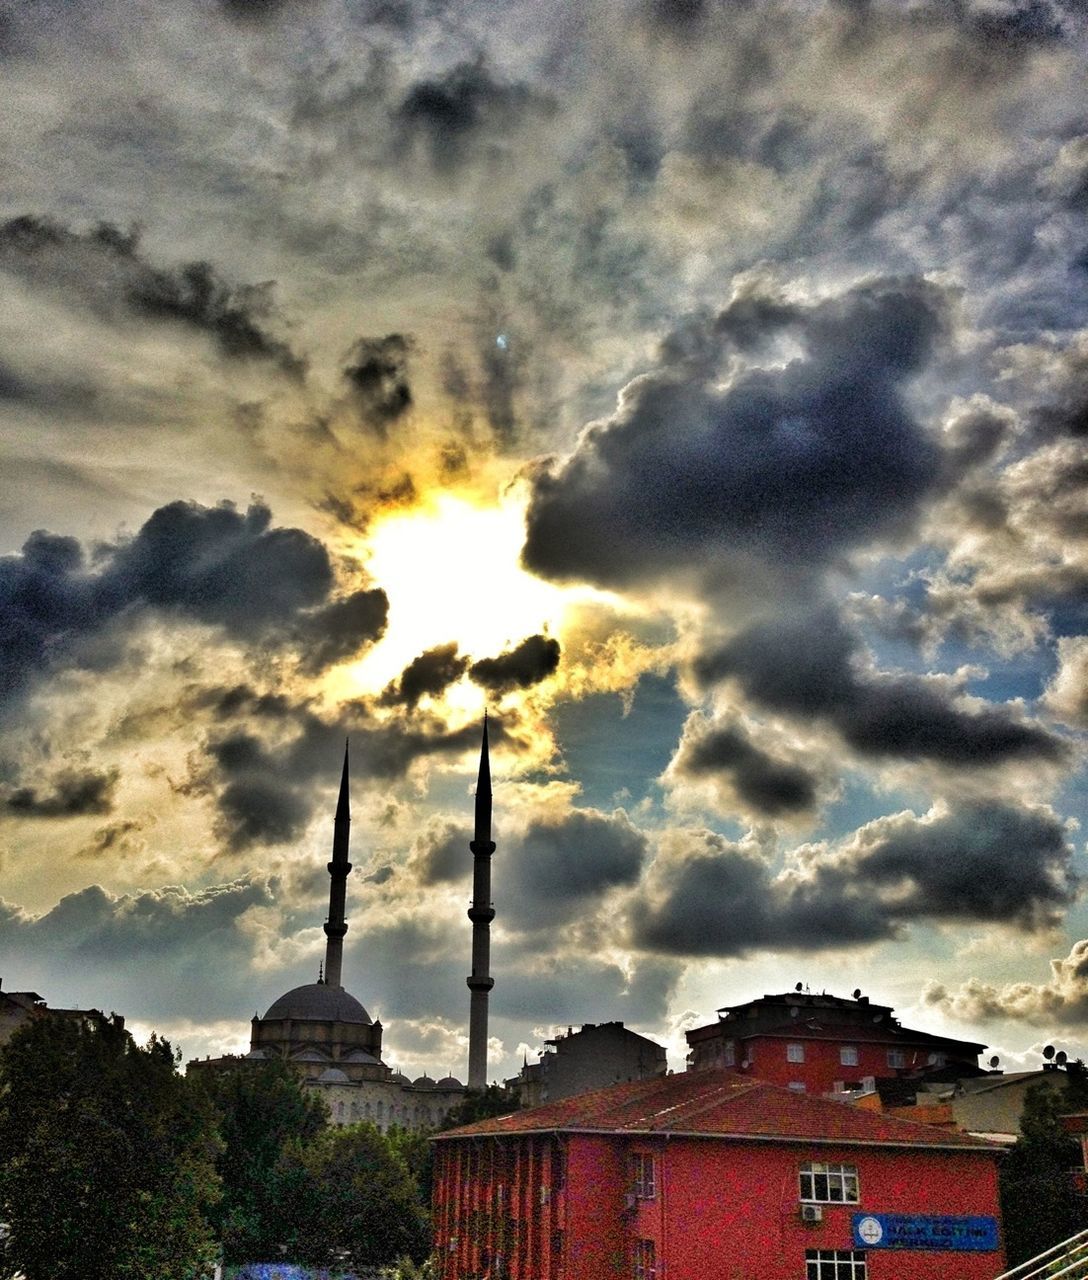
(481, 913)
(335, 926)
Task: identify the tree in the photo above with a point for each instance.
(480, 1104)
(347, 1198)
(1039, 1204)
(261, 1109)
(106, 1157)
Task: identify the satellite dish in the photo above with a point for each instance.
(1061, 1057)
(1048, 1052)
(799, 986)
(995, 1060)
(857, 992)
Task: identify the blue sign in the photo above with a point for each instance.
(924, 1231)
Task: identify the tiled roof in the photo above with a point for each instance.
(718, 1104)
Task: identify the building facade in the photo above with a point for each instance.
(598, 1055)
(820, 1043)
(710, 1176)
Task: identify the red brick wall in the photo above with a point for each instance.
(723, 1210)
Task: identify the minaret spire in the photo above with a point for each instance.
(335, 925)
(481, 913)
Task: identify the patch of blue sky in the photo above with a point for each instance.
(617, 755)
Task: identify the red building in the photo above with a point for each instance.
(819, 1043)
(712, 1176)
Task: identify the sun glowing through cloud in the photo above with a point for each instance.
(451, 572)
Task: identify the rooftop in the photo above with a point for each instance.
(719, 1104)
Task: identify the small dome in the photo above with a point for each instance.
(256, 1055)
(450, 1082)
(332, 1075)
(423, 1082)
(361, 1055)
(317, 1002)
(310, 1055)
(398, 1077)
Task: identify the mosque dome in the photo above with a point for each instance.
(318, 1002)
(398, 1077)
(450, 1082)
(332, 1075)
(423, 1082)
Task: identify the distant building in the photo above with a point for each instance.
(708, 1175)
(596, 1056)
(819, 1043)
(20, 1007)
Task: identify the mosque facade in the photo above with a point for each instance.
(330, 1039)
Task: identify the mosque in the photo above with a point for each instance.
(328, 1036)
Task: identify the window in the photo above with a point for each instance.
(645, 1260)
(795, 1053)
(897, 1058)
(645, 1183)
(729, 1053)
(848, 1055)
(835, 1264)
(829, 1183)
(796, 1086)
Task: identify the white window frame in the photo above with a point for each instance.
(797, 1086)
(821, 1182)
(897, 1058)
(645, 1260)
(795, 1052)
(848, 1055)
(645, 1176)
(836, 1264)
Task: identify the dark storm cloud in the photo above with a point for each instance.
(160, 948)
(536, 658)
(450, 114)
(215, 565)
(108, 269)
(265, 792)
(772, 788)
(559, 868)
(1066, 413)
(72, 793)
(987, 862)
(426, 676)
(341, 629)
(1063, 1001)
(442, 854)
(810, 666)
(377, 373)
(785, 466)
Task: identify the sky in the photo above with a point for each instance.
(701, 386)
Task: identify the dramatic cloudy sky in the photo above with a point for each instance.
(702, 385)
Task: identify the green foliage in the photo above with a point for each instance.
(413, 1146)
(1038, 1203)
(479, 1104)
(106, 1157)
(347, 1198)
(261, 1109)
(406, 1269)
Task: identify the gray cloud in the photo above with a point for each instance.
(810, 666)
(785, 466)
(106, 266)
(770, 787)
(533, 660)
(1063, 1001)
(377, 373)
(427, 675)
(72, 793)
(983, 862)
(560, 867)
(214, 565)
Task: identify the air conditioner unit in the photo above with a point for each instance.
(812, 1213)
